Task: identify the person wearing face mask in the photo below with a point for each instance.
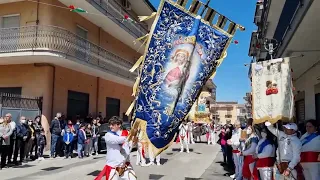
(249, 153)
(289, 149)
(118, 153)
(37, 128)
(310, 152)
(22, 134)
(5, 133)
(265, 151)
(229, 130)
(12, 137)
(236, 151)
(30, 139)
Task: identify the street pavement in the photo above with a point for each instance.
(203, 162)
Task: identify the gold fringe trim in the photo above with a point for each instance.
(135, 86)
(219, 63)
(140, 38)
(144, 42)
(141, 125)
(137, 64)
(145, 18)
(130, 108)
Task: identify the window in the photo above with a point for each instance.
(10, 38)
(10, 21)
(82, 43)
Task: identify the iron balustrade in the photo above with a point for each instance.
(65, 43)
(116, 12)
(18, 101)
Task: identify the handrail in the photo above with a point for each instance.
(59, 40)
(112, 8)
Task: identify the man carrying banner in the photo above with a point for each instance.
(288, 153)
(183, 136)
(236, 151)
(118, 150)
(141, 149)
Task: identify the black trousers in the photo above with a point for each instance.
(68, 149)
(20, 146)
(12, 143)
(4, 150)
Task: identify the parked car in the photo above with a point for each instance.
(104, 128)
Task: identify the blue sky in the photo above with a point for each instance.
(232, 76)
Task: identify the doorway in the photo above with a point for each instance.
(78, 104)
(112, 107)
(317, 99)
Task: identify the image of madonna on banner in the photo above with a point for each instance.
(272, 91)
(182, 53)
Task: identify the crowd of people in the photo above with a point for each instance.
(26, 140)
(264, 152)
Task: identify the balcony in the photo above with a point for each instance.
(66, 48)
(114, 9)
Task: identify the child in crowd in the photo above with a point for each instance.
(81, 140)
(67, 139)
(42, 142)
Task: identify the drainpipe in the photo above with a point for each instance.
(97, 95)
(53, 83)
(37, 23)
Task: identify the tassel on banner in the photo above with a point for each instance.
(137, 64)
(145, 18)
(140, 38)
(130, 108)
(144, 42)
(135, 86)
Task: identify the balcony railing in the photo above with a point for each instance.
(114, 10)
(63, 42)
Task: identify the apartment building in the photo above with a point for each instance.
(294, 25)
(225, 112)
(78, 63)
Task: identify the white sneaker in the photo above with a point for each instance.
(188, 151)
(150, 164)
(181, 150)
(232, 176)
(158, 164)
(138, 163)
(144, 164)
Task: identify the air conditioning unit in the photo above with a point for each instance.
(126, 4)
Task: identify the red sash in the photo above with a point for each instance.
(107, 169)
(265, 162)
(246, 173)
(235, 151)
(309, 156)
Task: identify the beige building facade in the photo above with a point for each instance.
(78, 63)
(228, 112)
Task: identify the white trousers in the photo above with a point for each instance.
(151, 157)
(140, 158)
(266, 173)
(279, 176)
(184, 141)
(311, 171)
(212, 138)
(238, 163)
(129, 174)
(190, 137)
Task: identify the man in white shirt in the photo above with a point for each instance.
(12, 137)
(118, 151)
(236, 151)
(183, 136)
(190, 132)
(289, 149)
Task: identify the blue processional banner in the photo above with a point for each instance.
(182, 53)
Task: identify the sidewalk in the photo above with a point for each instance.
(217, 170)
